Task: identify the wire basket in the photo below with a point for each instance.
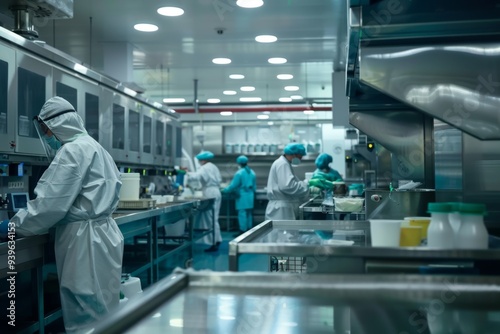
(139, 204)
(287, 264)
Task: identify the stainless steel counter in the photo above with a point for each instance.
(208, 302)
(312, 240)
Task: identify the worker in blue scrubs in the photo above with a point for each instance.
(244, 186)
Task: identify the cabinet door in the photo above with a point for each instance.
(134, 132)
(159, 151)
(147, 136)
(8, 106)
(34, 79)
(118, 133)
(169, 153)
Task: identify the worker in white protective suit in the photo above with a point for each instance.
(77, 194)
(285, 191)
(209, 177)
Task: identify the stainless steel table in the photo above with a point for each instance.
(310, 239)
(210, 302)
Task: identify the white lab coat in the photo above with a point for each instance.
(77, 194)
(285, 191)
(209, 177)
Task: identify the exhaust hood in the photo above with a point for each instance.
(440, 58)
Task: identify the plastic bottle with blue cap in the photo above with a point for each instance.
(440, 233)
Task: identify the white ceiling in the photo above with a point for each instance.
(166, 62)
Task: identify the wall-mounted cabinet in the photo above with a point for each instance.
(134, 131)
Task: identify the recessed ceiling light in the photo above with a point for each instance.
(170, 11)
(292, 88)
(285, 99)
(247, 88)
(308, 112)
(270, 123)
(284, 76)
(266, 112)
(146, 27)
(229, 92)
(263, 116)
(277, 60)
(296, 97)
(266, 38)
(174, 100)
(250, 99)
(221, 61)
(236, 76)
(249, 3)
(213, 100)
(226, 113)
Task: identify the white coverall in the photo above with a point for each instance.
(77, 194)
(285, 191)
(209, 177)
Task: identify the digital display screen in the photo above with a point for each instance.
(19, 201)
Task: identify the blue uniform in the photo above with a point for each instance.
(244, 185)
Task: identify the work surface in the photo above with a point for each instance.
(189, 302)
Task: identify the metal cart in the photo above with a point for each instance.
(225, 302)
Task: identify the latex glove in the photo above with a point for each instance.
(4, 226)
(314, 190)
(322, 184)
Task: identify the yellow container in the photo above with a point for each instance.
(419, 221)
(411, 236)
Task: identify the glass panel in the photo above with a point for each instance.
(178, 143)
(68, 93)
(170, 136)
(4, 83)
(146, 136)
(134, 133)
(30, 99)
(92, 115)
(159, 138)
(118, 126)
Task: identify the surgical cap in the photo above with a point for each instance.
(295, 148)
(242, 160)
(323, 160)
(205, 155)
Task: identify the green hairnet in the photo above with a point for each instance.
(323, 160)
(295, 148)
(205, 155)
(242, 160)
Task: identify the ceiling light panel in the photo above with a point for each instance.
(229, 92)
(226, 113)
(213, 100)
(250, 99)
(266, 39)
(285, 99)
(296, 97)
(174, 100)
(221, 61)
(292, 88)
(249, 3)
(277, 60)
(247, 89)
(170, 11)
(263, 116)
(284, 76)
(145, 27)
(236, 76)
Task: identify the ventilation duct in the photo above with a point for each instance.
(25, 12)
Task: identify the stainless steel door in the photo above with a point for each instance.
(384, 204)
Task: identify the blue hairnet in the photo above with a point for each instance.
(323, 160)
(242, 160)
(205, 155)
(295, 148)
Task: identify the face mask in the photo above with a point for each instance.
(295, 161)
(53, 142)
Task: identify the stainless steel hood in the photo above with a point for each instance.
(441, 58)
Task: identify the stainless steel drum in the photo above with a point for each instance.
(384, 204)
